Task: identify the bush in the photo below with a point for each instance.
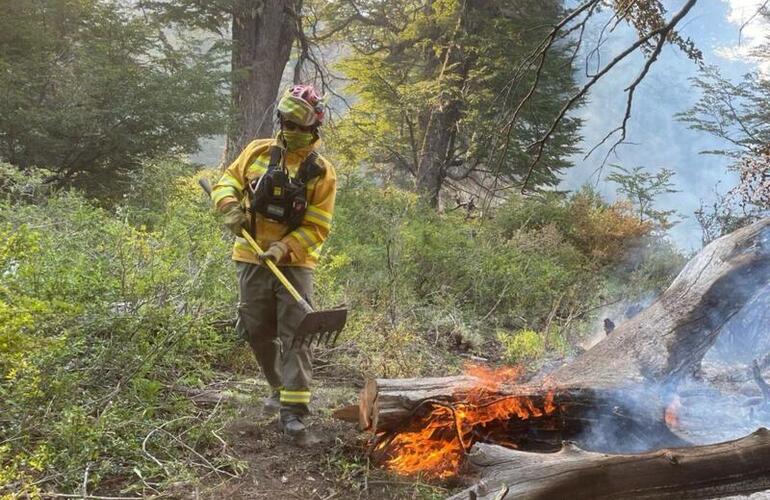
(99, 321)
(522, 346)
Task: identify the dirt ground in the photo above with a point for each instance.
(335, 469)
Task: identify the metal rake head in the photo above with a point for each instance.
(322, 327)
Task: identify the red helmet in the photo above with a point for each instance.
(302, 104)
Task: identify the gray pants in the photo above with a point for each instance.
(268, 317)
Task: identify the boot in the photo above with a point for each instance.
(272, 404)
(295, 428)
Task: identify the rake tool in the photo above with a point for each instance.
(322, 327)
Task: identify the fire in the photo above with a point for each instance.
(436, 444)
(672, 413)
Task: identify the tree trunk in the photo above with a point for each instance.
(263, 32)
(437, 152)
(667, 341)
(440, 124)
(731, 468)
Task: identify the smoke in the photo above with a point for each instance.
(631, 420)
(618, 314)
(747, 336)
(721, 401)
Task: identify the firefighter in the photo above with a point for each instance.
(284, 166)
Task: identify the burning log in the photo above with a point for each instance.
(617, 397)
(388, 403)
(718, 470)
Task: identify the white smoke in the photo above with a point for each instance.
(721, 401)
(618, 313)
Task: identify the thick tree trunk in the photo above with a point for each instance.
(731, 468)
(441, 121)
(437, 153)
(263, 33)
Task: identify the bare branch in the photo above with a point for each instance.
(663, 32)
(762, 8)
(629, 101)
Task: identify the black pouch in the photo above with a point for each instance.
(279, 197)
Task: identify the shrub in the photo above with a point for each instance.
(522, 346)
(99, 321)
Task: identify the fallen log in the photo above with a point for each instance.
(729, 468)
(667, 341)
(641, 361)
(386, 403)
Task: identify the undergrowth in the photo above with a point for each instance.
(110, 314)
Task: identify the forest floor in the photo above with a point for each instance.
(275, 468)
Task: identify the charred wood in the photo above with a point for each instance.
(729, 468)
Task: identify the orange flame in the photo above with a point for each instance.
(437, 444)
(672, 413)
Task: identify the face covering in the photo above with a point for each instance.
(296, 139)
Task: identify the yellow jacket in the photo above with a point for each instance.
(306, 241)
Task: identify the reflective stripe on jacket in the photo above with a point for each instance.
(306, 241)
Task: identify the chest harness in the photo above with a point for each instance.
(278, 196)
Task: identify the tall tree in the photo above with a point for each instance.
(262, 34)
(431, 81)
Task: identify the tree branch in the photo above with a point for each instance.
(663, 32)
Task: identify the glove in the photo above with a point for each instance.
(234, 218)
(277, 252)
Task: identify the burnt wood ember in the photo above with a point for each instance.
(712, 471)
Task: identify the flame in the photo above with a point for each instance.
(436, 444)
(672, 413)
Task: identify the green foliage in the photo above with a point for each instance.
(99, 320)
(91, 90)
(416, 278)
(737, 112)
(642, 188)
(650, 269)
(521, 347)
(436, 81)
